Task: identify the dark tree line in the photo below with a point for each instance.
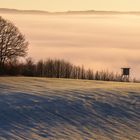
(55, 68)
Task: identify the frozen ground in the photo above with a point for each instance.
(59, 109)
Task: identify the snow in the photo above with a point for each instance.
(60, 109)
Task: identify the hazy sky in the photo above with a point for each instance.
(97, 41)
(64, 5)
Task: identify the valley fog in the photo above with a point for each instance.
(101, 42)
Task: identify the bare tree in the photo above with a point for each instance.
(90, 74)
(12, 43)
(40, 68)
(30, 68)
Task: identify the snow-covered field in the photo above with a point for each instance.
(60, 109)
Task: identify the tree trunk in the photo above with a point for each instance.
(1, 68)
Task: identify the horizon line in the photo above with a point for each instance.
(67, 11)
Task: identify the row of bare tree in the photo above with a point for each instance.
(13, 45)
(55, 68)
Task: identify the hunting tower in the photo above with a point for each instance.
(125, 74)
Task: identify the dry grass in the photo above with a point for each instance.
(60, 109)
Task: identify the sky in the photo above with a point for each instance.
(114, 40)
(65, 5)
(99, 42)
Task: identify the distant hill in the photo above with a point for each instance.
(6, 10)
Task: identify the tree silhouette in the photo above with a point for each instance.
(12, 43)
